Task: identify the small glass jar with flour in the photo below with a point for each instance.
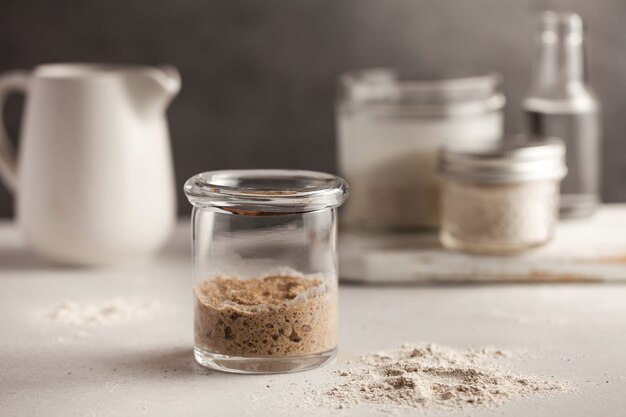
(391, 125)
(503, 198)
(265, 268)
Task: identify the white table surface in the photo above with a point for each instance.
(575, 332)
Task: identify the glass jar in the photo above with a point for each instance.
(265, 268)
(391, 125)
(501, 199)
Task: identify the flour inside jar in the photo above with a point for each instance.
(273, 316)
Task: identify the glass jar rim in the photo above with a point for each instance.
(425, 96)
(266, 191)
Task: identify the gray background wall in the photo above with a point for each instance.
(259, 76)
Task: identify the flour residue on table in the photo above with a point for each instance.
(434, 376)
(106, 312)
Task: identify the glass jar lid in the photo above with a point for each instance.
(515, 160)
(266, 191)
(407, 93)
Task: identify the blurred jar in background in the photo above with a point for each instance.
(501, 199)
(390, 127)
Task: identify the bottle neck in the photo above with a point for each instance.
(559, 63)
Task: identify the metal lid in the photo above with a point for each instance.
(258, 192)
(516, 160)
(407, 93)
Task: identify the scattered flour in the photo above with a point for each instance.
(434, 376)
(102, 313)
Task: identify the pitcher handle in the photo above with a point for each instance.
(10, 82)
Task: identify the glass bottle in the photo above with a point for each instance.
(265, 269)
(561, 104)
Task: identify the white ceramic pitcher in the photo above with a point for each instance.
(93, 181)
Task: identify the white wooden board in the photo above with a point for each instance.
(591, 249)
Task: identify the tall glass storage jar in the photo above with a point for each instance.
(265, 268)
(391, 125)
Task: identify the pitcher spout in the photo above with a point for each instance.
(168, 77)
(152, 88)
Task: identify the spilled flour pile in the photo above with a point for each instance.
(434, 376)
(103, 313)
